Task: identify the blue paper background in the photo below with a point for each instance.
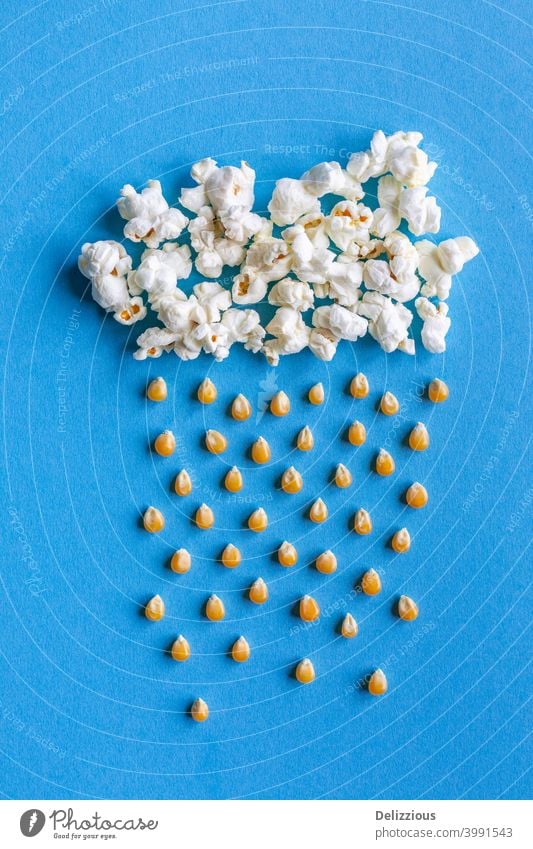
(95, 94)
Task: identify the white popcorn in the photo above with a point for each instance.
(437, 263)
(371, 163)
(134, 310)
(421, 213)
(329, 178)
(317, 269)
(269, 258)
(290, 200)
(248, 288)
(159, 271)
(291, 293)
(341, 322)
(387, 217)
(436, 324)
(148, 215)
(396, 278)
(408, 164)
(105, 257)
(365, 250)
(105, 264)
(345, 277)
(110, 292)
(323, 344)
(290, 331)
(153, 342)
(213, 298)
(178, 312)
(299, 242)
(201, 170)
(315, 226)
(230, 190)
(403, 256)
(244, 326)
(349, 222)
(194, 199)
(388, 322)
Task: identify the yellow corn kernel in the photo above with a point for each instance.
(258, 520)
(261, 451)
(205, 517)
(231, 556)
(362, 523)
(181, 561)
(401, 541)
(280, 404)
(181, 649)
(305, 440)
(199, 710)
(419, 437)
(214, 608)
(319, 511)
(165, 443)
(207, 392)
(326, 562)
(153, 520)
(183, 483)
(349, 627)
(240, 651)
(371, 582)
(343, 476)
(359, 387)
(287, 554)
(157, 389)
(316, 394)
(258, 592)
(241, 409)
(385, 464)
(438, 391)
(215, 442)
(407, 608)
(309, 609)
(377, 683)
(357, 433)
(155, 609)
(389, 404)
(417, 495)
(291, 481)
(305, 671)
(233, 480)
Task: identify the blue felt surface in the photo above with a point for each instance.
(95, 94)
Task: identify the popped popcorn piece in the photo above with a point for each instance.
(349, 222)
(345, 277)
(153, 342)
(437, 263)
(317, 269)
(290, 200)
(299, 242)
(213, 298)
(268, 257)
(159, 271)
(421, 212)
(329, 178)
(436, 324)
(370, 163)
(323, 344)
(387, 216)
(292, 293)
(408, 164)
(104, 257)
(133, 311)
(378, 277)
(148, 215)
(388, 322)
(340, 322)
(315, 226)
(290, 332)
(248, 288)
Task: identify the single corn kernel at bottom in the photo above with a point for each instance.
(183, 483)
(181, 649)
(204, 517)
(280, 404)
(326, 562)
(233, 480)
(241, 409)
(260, 451)
(231, 556)
(318, 512)
(157, 389)
(407, 608)
(258, 592)
(401, 541)
(291, 481)
(309, 609)
(417, 495)
(305, 440)
(389, 404)
(359, 387)
(371, 582)
(316, 394)
(181, 561)
(343, 476)
(377, 683)
(438, 391)
(349, 627)
(362, 523)
(207, 392)
(155, 609)
(240, 651)
(305, 671)
(153, 520)
(214, 608)
(199, 710)
(165, 443)
(215, 442)
(419, 437)
(357, 433)
(385, 464)
(287, 554)
(258, 520)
